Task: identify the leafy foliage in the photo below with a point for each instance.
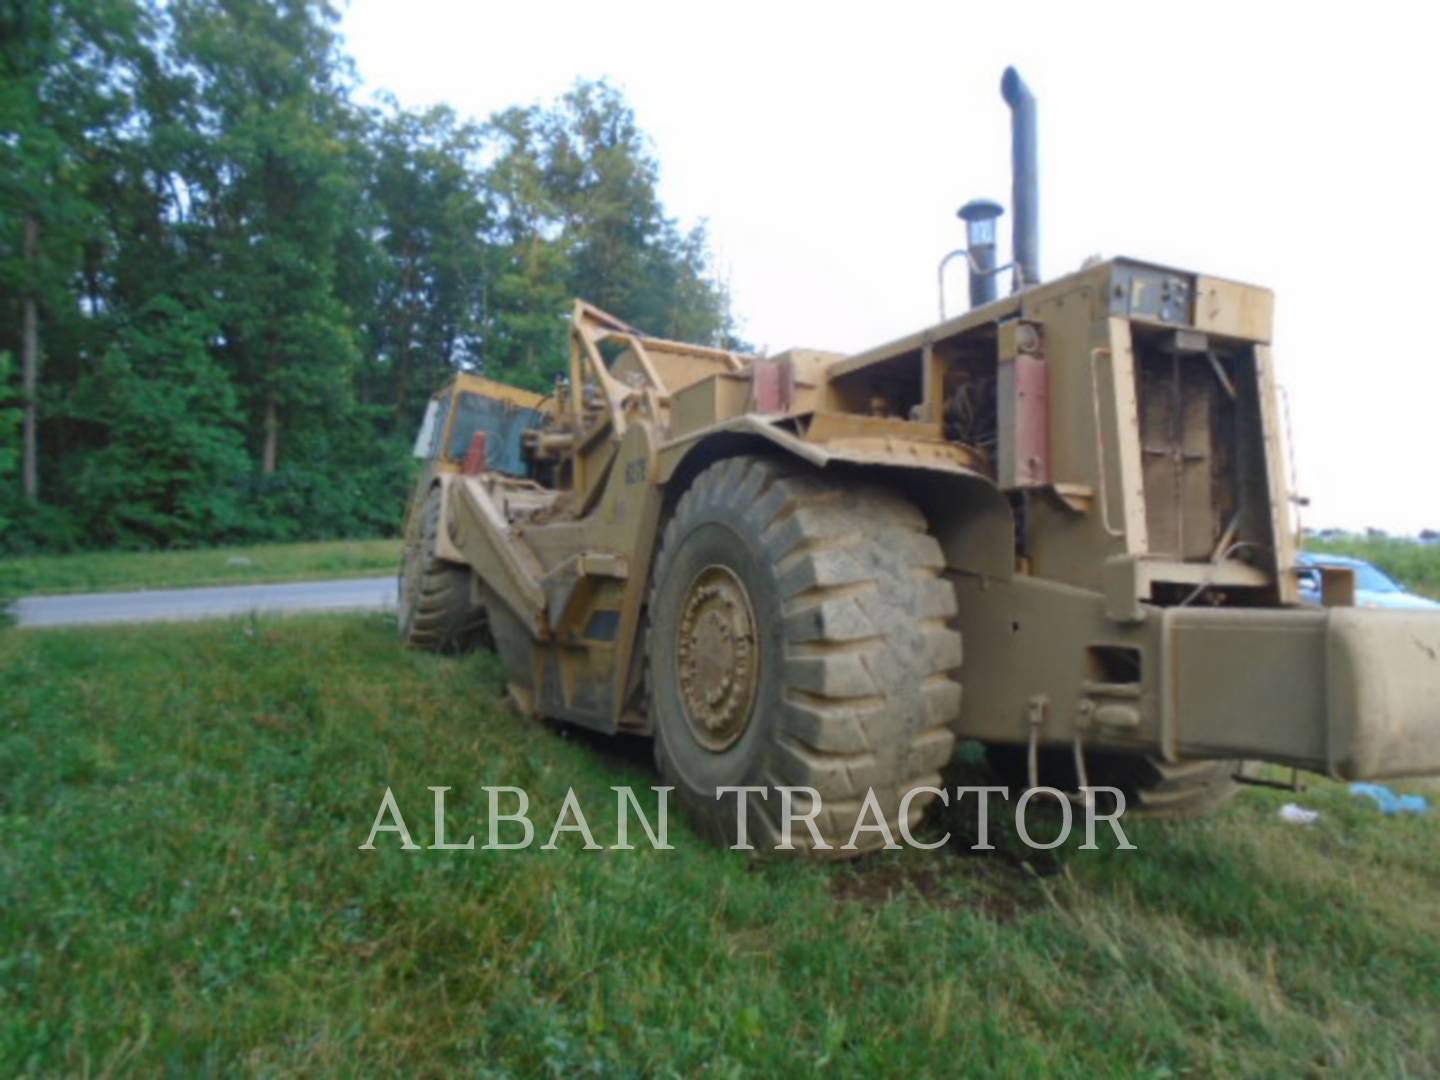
(170, 461)
(1416, 565)
(9, 462)
(9, 424)
(248, 282)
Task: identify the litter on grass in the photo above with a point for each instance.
(1389, 802)
(1298, 815)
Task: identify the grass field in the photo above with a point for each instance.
(1414, 565)
(182, 893)
(108, 571)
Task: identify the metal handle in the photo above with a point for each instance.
(974, 269)
(1100, 442)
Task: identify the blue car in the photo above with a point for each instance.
(1373, 588)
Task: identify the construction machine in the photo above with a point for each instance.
(769, 564)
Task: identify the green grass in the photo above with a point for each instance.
(181, 809)
(1414, 565)
(108, 571)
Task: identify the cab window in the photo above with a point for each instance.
(470, 413)
(442, 413)
(425, 438)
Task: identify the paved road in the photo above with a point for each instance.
(163, 605)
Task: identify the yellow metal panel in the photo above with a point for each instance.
(1277, 477)
(1233, 310)
(481, 532)
(673, 370)
(525, 399)
(1124, 409)
(832, 426)
(708, 401)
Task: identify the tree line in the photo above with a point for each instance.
(228, 284)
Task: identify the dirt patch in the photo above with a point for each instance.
(995, 889)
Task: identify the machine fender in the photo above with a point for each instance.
(445, 546)
(968, 514)
(507, 569)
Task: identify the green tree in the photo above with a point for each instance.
(432, 210)
(10, 413)
(170, 466)
(65, 69)
(244, 286)
(527, 293)
(602, 179)
(274, 187)
(579, 214)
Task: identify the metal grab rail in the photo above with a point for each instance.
(974, 269)
(1100, 443)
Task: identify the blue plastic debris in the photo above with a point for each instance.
(1389, 802)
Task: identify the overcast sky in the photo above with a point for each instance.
(828, 145)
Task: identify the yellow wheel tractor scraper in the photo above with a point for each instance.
(770, 564)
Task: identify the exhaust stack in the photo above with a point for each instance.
(1024, 167)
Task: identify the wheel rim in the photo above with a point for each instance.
(719, 658)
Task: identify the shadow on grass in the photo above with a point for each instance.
(1223, 874)
(631, 753)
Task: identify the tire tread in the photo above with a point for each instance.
(868, 698)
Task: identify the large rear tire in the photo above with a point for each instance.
(434, 606)
(799, 635)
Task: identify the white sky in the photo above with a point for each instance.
(829, 145)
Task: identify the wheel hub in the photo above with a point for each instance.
(718, 658)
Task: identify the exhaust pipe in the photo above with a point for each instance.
(1024, 168)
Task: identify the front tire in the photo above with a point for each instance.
(799, 636)
(434, 607)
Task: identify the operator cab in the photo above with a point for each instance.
(470, 405)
